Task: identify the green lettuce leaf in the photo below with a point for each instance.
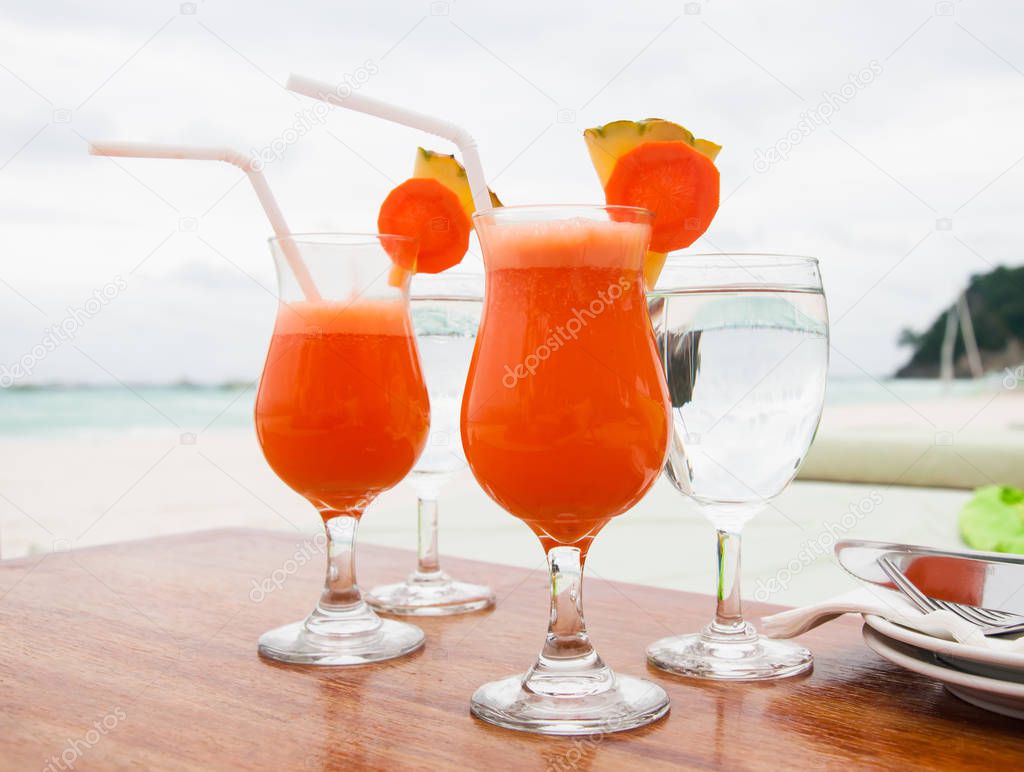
(994, 519)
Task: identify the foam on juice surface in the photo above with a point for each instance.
(573, 242)
(359, 316)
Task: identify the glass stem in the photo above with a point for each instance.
(341, 609)
(568, 663)
(428, 561)
(729, 608)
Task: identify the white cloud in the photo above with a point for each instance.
(940, 123)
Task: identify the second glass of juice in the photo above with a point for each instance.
(565, 423)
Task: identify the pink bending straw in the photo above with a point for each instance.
(243, 162)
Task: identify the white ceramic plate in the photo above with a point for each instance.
(1004, 697)
(991, 663)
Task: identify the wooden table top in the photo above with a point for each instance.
(143, 655)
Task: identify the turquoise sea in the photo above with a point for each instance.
(192, 408)
(186, 408)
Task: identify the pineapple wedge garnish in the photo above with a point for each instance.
(449, 172)
(608, 143)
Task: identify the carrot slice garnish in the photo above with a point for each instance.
(676, 182)
(430, 212)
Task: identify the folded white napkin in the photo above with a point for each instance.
(887, 604)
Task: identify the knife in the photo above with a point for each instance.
(991, 580)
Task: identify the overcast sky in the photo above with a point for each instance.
(904, 180)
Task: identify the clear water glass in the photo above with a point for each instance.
(446, 311)
(744, 341)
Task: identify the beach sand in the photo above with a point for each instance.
(995, 408)
(65, 492)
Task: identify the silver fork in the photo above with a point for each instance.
(990, 621)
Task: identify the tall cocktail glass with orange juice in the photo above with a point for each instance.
(565, 423)
(342, 414)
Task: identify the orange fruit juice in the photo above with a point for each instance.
(342, 411)
(565, 418)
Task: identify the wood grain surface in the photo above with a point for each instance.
(142, 655)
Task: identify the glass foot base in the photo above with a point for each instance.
(630, 703)
(430, 598)
(296, 645)
(752, 659)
